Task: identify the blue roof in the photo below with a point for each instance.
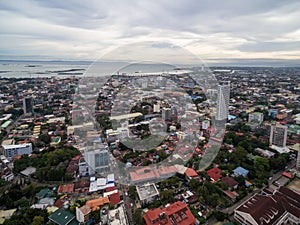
(231, 117)
(241, 171)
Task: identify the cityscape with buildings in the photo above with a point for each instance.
(60, 167)
(149, 112)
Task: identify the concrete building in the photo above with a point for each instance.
(223, 97)
(28, 105)
(97, 160)
(205, 124)
(278, 135)
(256, 117)
(166, 114)
(156, 107)
(298, 160)
(147, 193)
(16, 150)
(82, 213)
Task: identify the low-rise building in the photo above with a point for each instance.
(147, 193)
(17, 150)
(282, 207)
(176, 213)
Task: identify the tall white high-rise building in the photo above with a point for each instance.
(223, 101)
(156, 107)
(166, 114)
(278, 135)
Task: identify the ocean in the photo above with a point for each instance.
(33, 69)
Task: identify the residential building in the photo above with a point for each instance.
(256, 117)
(240, 171)
(298, 160)
(176, 213)
(82, 213)
(223, 97)
(16, 150)
(28, 105)
(230, 182)
(215, 174)
(278, 135)
(282, 207)
(205, 124)
(166, 114)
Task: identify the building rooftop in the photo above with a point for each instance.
(66, 188)
(191, 172)
(61, 217)
(147, 191)
(176, 213)
(96, 203)
(214, 173)
(267, 209)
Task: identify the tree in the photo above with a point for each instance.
(138, 217)
(38, 220)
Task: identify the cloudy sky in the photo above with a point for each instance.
(216, 31)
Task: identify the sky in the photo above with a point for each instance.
(215, 31)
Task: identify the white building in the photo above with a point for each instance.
(256, 117)
(223, 101)
(82, 213)
(166, 114)
(16, 150)
(156, 107)
(205, 124)
(147, 193)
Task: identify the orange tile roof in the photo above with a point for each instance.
(176, 213)
(191, 172)
(96, 203)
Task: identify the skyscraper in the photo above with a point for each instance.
(298, 160)
(27, 105)
(223, 102)
(278, 135)
(166, 114)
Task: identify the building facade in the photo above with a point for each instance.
(223, 97)
(28, 105)
(16, 150)
(97, 160)
(278, 135)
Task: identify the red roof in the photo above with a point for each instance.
(108, 189)
(114, 198)
(288, 175)
(214, 173)
(66, 188)
(76, 158)
(177, 213)
(191, 172)
(229, 181)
